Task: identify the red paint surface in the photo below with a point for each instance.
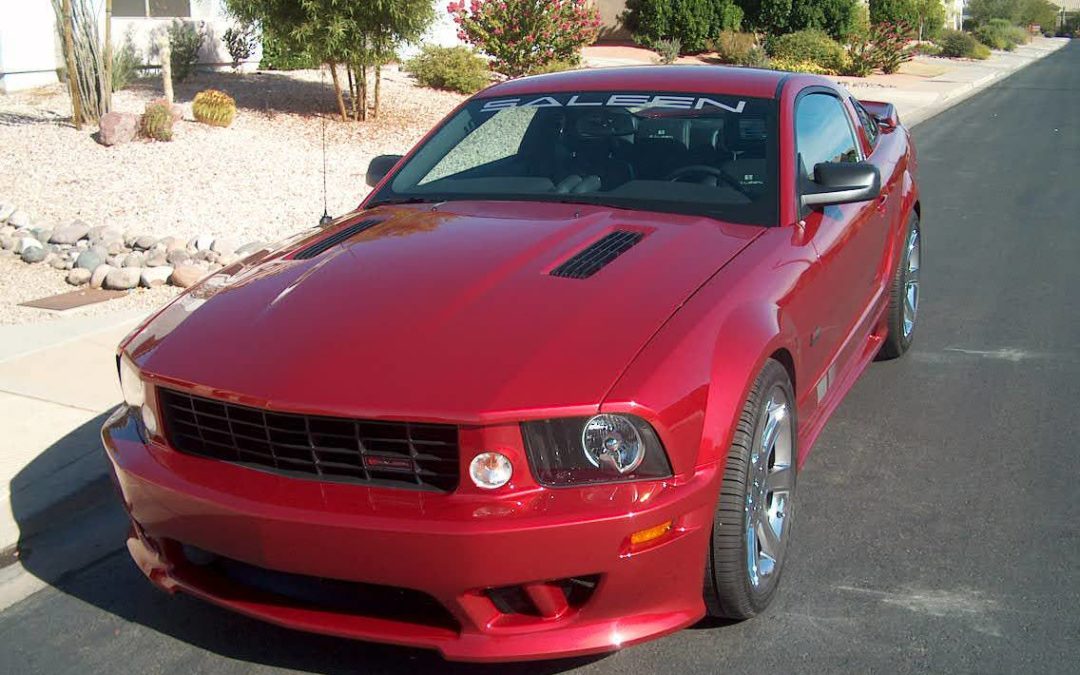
(448, 315)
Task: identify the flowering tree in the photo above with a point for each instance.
(523, 36)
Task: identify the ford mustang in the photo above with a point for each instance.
(547, 390)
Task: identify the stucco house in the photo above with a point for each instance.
(30, 52)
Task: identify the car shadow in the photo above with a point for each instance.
(77, 547)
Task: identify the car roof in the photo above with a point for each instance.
(703, 79)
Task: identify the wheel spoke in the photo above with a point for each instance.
(774, 417)
(912, 277)
(780, 479)
(909, 307)
(768, 538)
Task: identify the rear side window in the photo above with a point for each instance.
(869, 124)
(823, 132)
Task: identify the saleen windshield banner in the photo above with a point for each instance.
(598, 99)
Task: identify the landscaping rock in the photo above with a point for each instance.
(34, 254)
(224, 246)
(118, 127)
(175, 244)
(98, 277)
(226, 260)
(6, 209)
(70, 233)
(153, 277)
(129, 238)
(42, 234)
(115, 247)
(19, 218)
(250, 247)
(145, 242)
(185, 276)
(179, 257)
(122, 279)
(7, 242)
(133, 260)
(78, 277)
(58, 262)
(26, 242)
(157, 259)
(203, 242)
(89, 260)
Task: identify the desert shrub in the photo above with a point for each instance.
(1000, 34)
(455, 68)
(523, 35)
(807, 46)
(957, 44)
(927, 49)
(553, 67)
(214, 107)
(667, 51)
(981, 52)
(240, 41)
(157, 122)
(890, 45)
(799, 66)
(741, 49)
(126, 64)
(185, 41)
(692, 22)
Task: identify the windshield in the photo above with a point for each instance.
(709, 155)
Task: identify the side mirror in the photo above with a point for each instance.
(842, 183)
(379, 167)
(884, 113)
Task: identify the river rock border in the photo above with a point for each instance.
(103, 257)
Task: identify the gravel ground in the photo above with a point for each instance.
(260, 179)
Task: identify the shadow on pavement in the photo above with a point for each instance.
(77, 547)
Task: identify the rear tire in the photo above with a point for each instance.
(904, 294)
(744, 560)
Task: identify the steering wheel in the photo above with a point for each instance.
(679, 173)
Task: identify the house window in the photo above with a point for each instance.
(151, 8)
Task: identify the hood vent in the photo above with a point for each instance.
(324, 245)
(591, 260)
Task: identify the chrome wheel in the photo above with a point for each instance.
(911, 283)
(769, 494)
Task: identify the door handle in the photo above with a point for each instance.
(881, 201)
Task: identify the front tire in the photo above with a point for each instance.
(904, 295)
(753, 519)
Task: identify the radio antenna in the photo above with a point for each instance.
(326, 218)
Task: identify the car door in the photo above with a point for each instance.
(848, 238)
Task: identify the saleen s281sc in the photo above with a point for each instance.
(546, 391)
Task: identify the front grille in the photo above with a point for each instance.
(396, 454)
(321, 594)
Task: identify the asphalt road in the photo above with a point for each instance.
(938, 524)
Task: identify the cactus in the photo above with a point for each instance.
(157, 122)
(214, 107)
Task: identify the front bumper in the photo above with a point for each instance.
(453, 548)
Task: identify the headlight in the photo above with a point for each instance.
(134, 390)
(600, 449)
(131, 383)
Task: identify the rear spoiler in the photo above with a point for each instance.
(884, 113)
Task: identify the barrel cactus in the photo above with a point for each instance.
(214, 107)
(157, 122)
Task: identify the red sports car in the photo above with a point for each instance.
(547, 390)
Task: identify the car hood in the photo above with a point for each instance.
(439, 314)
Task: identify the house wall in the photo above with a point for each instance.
(611, 29)
(30, 51)
(28, 45)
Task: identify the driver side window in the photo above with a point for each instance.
(823, 132)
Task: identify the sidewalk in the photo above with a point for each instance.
(57, 385)
(922, 88)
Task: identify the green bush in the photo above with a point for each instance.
(241, 42)
(808, 46)
(692, 22)
(1000, 34)
(279, 55)
(982, 52)
(740, 49)
(126, 65)
(454, 68)
(553, 67)
(927, 49)
(957, 44)
(799, 66)
(185, 41)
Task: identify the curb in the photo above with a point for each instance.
(968, 90)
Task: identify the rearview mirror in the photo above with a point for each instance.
(379, 167)
(842, 183)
